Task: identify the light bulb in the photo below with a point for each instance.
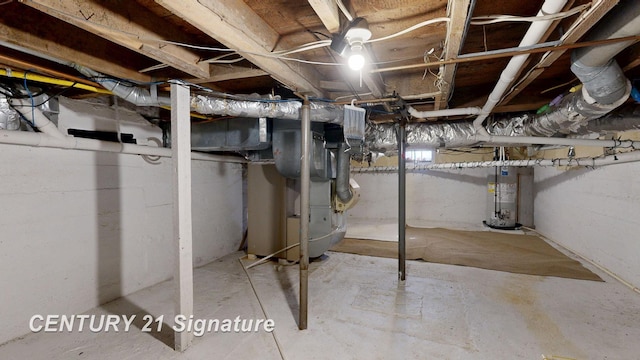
(356, 61)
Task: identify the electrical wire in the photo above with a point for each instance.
(26, 88)
(493, 19)
(344, 10)
(278, 54)
(412, 28)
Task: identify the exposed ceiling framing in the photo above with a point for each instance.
(233, 46)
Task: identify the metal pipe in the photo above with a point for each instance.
(621, 158)
(445, 112)
(525, 140)
(402, 180)
(532, 36)
(342, 178)
(305, 178)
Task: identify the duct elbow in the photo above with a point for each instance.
(605, 84)
(343, 191)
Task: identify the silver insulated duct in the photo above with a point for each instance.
(209, 105)
(9, 118)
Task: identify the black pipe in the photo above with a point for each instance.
(402, 180)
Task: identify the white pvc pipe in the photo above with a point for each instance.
(532, 37)
(445, 112)
(69, 142)
(37, 118)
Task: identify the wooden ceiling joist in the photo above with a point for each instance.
(119, 27)
(327, 10)
(225, 73)
(458, 12)
(46, 42)
(234, 24)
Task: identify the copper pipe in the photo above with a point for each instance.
(480, 57)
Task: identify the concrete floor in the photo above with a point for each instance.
(359, 311)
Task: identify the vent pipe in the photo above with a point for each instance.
(342, 177)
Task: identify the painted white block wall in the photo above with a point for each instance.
(451, 198)
(78, 229)
(593, 213)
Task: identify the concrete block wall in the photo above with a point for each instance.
(78, 228)
(593, 213)
(451, 198)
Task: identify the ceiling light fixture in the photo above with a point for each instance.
(355, 35)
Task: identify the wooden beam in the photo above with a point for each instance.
(335, 85)
(458, 11)
(46, 41)
(224, 73)
(575, 32)
(128, 25)
(406, 86)
(23, 65)
(237, 26)
(327, 11)
(635, 55)
(182, 222)
(520, 107)
(375, 83)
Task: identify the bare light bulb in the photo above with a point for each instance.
(356, 61)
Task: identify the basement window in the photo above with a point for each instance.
(419, 156)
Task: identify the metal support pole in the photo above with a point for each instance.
(182, 224)
(304, 214)
(402, 180)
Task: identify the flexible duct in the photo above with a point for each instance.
(288, 110)
(382, 137)
(130, 93)
(342, 177)
(9, 118)
(208, 105)
(626, 119)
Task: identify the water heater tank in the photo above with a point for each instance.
(502, 196)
